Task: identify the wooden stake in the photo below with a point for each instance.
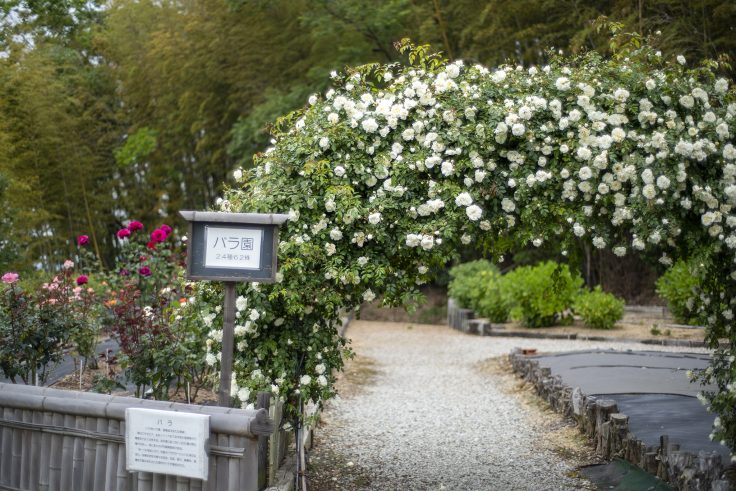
(226, 360)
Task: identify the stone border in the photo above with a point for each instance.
(464, 320)
(600, 420)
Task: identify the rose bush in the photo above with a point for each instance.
(39, 322)
(153, 315)
(393, 170)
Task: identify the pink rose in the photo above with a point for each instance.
(10, 278)
(135, 225)
(83, 240)
(145, 271)
(82, 279)
(123, 233)
(166, 229)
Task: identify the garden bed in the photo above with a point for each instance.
(648, 325)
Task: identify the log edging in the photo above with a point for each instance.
(601, 421)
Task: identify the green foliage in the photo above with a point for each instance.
(493, 300)
(542, 295)
(9, 249)
(598, 309)
(181, 93)
(137, 147)
(478, 285)
(464, 285)
(677, 286)
(105, 385)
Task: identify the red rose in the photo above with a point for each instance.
(158, 235)
(145, 271)
(82, 280)
(135, 225)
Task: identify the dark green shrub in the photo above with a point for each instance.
(542, 295)
(598, 309)
(676, 287)
(463, 286)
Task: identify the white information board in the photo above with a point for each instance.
(232, 248)
(167, 442)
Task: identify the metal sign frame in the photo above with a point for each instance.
(199, 221)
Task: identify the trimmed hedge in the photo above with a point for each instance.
(676, 287)
(542, 295)
(598, 309)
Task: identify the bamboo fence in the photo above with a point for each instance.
(57, 440)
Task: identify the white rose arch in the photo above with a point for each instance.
(390, 173)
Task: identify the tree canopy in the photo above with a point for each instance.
(135, 109)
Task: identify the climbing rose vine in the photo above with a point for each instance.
(391, 172)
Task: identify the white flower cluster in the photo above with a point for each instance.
(384, 182)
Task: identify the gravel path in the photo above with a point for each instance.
(429, 418)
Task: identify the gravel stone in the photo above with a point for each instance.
(430, 420)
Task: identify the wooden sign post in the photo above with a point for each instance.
(231, 247)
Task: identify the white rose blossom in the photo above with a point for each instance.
(474, 212)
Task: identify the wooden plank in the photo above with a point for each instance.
(101, 467)
(240, 442)
(182, 483)
(27, 458)
(263, 402)
(233, 466)
(145, 481)
(249, 462)
(125, 480)
(211, 483)
(5, 440)
(17, 451)
(274, 443)
(78, 459)
(44, 461)
(223, 477)
(35, 449)
(89, 455)
(55, 455)
(67, 455)
(111, 467)
(170, 483)
(158, 482)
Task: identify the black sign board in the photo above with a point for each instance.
(232, 246)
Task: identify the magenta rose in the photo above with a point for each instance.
(10, 278)
(166, 229)
(83, 240)
(82, 280)
(135, 225)
(123, 233)
(145, 271)
(158, 235)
